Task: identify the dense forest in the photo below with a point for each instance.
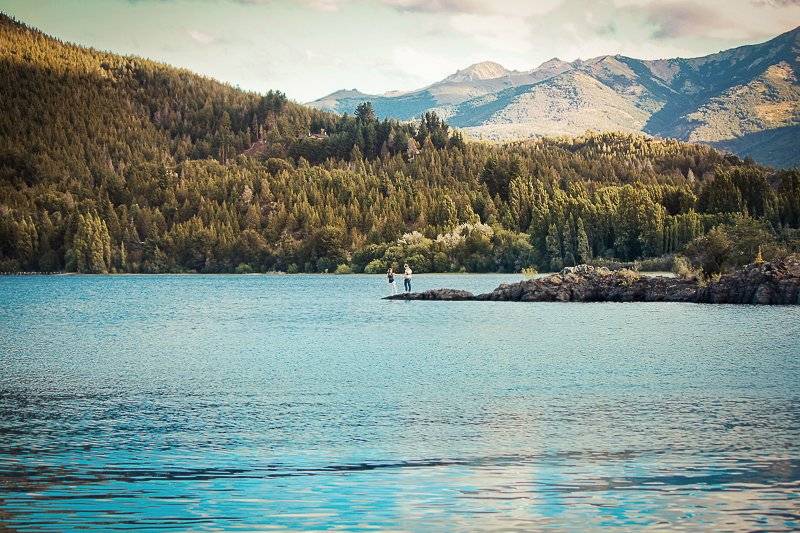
(120, 164)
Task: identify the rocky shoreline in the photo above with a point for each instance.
(775, 283)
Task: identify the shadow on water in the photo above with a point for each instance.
(777, 472)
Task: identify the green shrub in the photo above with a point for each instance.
(244, 268)
(628, 276)
(376, 266)
(683, 268)
(655, 264)
(343, 269)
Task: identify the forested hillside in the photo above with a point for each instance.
(120, 164)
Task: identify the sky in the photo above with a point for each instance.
(309, 48)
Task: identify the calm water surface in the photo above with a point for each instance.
(306, 402)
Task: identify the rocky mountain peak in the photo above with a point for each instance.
(553, 62)
(485, 70)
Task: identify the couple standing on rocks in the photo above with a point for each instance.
(406, 278)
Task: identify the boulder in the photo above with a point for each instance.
(433, 294)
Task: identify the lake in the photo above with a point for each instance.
(307, 402)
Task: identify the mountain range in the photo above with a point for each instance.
(745, 100)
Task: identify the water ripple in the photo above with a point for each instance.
(222, 402)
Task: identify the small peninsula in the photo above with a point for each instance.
(769, 283)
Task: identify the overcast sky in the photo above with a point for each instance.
(309, 48)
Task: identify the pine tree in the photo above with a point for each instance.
(584, 251)
(122, 258)
(568, 242)
(554, 249)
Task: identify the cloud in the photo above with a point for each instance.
(418, 64)
(712, 20)
(320, 5)
(497, 7)
(201, 36)
(438, 6)
(498, 32)
(324, 5)
(517, 7)
(776, 3)
(499, 25)
(682, 19)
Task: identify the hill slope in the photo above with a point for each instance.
(120, 164)
(726, 99)
(122, 110)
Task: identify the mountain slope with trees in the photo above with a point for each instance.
(120, 164)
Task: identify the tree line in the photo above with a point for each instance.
(119, 164)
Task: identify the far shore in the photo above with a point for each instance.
(279, 273)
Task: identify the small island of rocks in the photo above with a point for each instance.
(768, 283)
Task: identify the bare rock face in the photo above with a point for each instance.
(763, 284)
(585, 283)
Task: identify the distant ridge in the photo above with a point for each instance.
(746, 99)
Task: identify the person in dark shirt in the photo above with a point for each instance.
(390, 277)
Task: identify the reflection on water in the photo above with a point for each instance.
(306, 402)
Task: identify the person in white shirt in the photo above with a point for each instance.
(407, 277)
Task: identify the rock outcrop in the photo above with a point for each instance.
(767, 283)
(434, 294)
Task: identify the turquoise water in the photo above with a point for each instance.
(306, 402)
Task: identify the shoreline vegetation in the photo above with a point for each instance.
(658, 265)
(279, 273)
(760, 283)
(144, 168)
